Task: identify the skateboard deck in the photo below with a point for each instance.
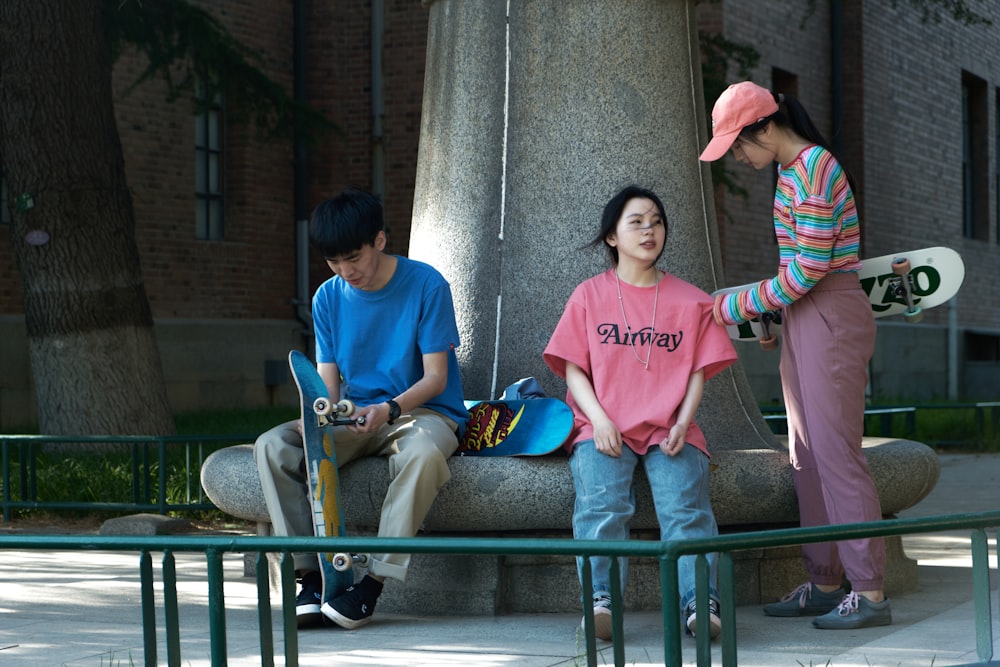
(529, 427)
(321, 465)
(905, 283)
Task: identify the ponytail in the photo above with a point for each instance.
(792, 114)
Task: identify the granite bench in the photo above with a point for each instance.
(751, 489)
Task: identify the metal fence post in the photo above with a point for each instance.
(216, 608)
(981, 594)
(669, 591)
(171, 615)
(264, 624)
(148, 608)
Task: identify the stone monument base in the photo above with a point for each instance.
(533, 497)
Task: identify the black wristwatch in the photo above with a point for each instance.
(394, 411)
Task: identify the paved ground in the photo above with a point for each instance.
(80, 609)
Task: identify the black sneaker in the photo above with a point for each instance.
(307, 603)
(355, 606)
(714, 620)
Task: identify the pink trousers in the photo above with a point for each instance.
(828, 338)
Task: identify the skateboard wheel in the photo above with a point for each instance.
(770, 343)
(913, 316)
(900, 266)
(321, 406)
(345, 408)
(342, 562)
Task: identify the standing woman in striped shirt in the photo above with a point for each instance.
(829, 337)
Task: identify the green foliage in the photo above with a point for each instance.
(256, 420)
(197, 58)
(106, 477)
(92, 477)
(953, 428)
(720, 56)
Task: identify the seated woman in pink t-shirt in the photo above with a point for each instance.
(635, 345)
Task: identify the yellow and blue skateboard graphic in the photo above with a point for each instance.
(522, 427)
(321, 466)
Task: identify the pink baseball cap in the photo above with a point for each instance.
(740, 105)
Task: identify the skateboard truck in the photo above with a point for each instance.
(769, 341)
(335, 414)
(342, 562)
(901, 285)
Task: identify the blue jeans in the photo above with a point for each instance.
(605, 503)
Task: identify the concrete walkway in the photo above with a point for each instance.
(81, 609)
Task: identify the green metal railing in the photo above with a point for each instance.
(666, 552)
(149, 462)
(883, 420)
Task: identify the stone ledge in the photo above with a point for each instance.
(490, 495)
(144, 524)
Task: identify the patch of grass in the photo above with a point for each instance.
(953, 427)
(255, 420)
(95, 476)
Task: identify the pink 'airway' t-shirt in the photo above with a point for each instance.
(642, 403)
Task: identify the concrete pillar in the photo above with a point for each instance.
(535, 114)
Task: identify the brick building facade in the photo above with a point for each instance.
(227, 309)
(904, 80)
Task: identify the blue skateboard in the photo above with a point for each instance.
(319, 416)
(523, 427)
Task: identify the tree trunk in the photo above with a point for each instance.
(90, 329)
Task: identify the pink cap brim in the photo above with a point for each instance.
(718, 147)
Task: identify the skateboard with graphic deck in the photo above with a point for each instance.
(523, 427)
(319, 417)
(906, 283)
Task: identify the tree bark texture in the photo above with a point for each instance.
(93, 351)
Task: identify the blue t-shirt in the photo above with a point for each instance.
(378, 339)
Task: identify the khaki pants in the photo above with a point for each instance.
(418, 445)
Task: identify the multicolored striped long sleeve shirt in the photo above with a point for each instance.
(816, 224)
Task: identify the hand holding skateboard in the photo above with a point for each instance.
(906, 283)
(335, 414)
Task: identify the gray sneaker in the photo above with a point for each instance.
(856, 611)
(806, 600)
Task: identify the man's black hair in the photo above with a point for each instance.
(346, 223)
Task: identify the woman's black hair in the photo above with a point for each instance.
(796, 118)
(613, 212)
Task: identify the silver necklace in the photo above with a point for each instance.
(628, 329)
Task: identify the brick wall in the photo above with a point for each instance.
(251, 274)
(913, 151)
(801, 48)
(902, 126)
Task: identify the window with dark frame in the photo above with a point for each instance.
(975, 158)
(209, 190)
(982, 347)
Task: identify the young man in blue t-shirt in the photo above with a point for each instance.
(385, 330)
